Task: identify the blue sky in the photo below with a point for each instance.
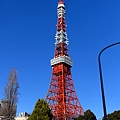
(27, 30)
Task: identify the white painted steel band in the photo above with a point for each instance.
(61, 59)
(60, 37)
(59, 5)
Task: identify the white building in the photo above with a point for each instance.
(22, 116)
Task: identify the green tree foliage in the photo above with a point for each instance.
(88, 115)
(114, 116)
(41, 111)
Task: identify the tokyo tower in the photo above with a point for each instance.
(61, 96)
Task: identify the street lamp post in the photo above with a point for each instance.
(101, 79)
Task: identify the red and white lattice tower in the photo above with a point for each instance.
(61, 96)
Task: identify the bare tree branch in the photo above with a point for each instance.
(11, 96)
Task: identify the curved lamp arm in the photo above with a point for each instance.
(101, 78)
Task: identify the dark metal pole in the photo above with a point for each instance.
(101, 79)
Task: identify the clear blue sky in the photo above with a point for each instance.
(27, 30)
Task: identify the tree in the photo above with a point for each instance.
(88, 115)
(41, 111)
(114, 116)
(11, 96)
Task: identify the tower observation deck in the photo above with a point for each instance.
(61, 96)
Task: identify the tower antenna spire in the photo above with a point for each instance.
(61, 1)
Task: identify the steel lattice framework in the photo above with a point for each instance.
(61, 96)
